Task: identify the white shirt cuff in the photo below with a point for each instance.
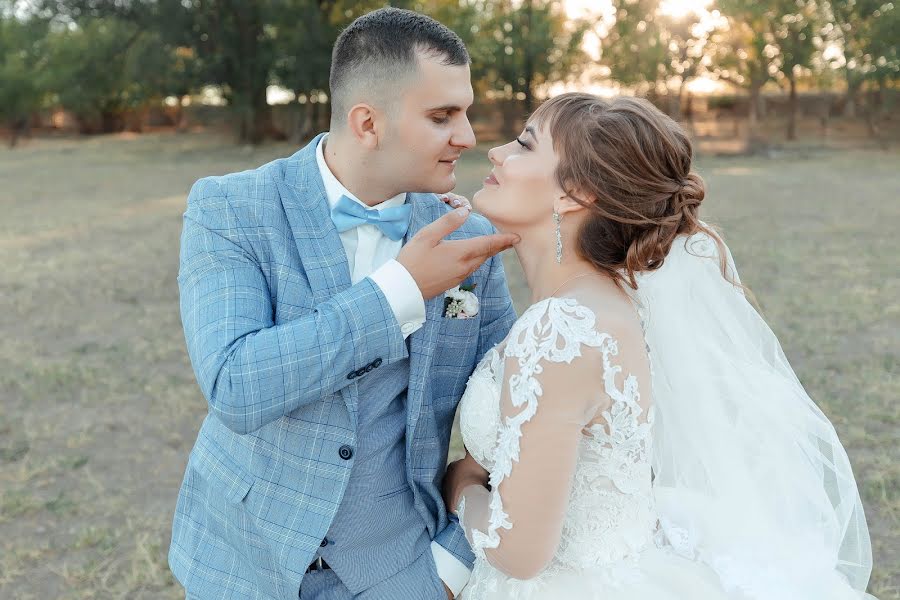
(450, 569)
(403, 295)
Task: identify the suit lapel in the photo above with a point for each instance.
(423, 341)
(318, 242)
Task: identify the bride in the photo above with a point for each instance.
(639, 435)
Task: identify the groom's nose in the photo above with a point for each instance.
(463, 136)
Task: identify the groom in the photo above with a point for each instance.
(312, 299)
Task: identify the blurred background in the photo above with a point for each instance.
(111, 109)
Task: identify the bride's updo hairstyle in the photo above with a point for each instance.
(630, 165)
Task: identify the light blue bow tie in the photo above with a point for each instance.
(393, 221)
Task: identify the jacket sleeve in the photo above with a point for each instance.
(252, 371)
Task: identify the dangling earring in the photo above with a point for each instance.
(557, 218)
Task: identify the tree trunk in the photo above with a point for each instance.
(111, 121)
(324, 116)
(792, 110)
(753, 113)
(755, 139)
(181, 116)
(509, 109)
(303, 123)
(853, 86)
(16, 128)
(528, 71)
(675, 100)
(881, 97)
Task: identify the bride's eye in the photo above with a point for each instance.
(523, 144)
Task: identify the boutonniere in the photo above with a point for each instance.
(461, 302)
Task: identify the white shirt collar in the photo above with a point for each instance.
(334, 189)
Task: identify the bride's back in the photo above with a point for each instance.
(617, 316)
(611, 512)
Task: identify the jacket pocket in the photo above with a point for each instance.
(395, 492)
(221, 471)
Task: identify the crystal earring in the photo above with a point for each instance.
(557, 218)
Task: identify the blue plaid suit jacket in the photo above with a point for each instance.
(274, 329)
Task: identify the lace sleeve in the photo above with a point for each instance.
(553, 354)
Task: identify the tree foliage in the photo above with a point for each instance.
(104, 60)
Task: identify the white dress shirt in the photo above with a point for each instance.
(372, 254)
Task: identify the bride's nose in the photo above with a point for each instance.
(494, 156)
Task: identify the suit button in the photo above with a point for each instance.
(377, 362)
(345, 452)
(369, 368)
(351, 375)
(323, 543)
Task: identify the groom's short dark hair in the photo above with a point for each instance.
(380, 48)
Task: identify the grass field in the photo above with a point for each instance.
(100, 407)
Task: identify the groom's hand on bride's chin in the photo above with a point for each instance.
(437, 265)
(449, 592)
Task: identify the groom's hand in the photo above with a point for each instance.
(437, 265)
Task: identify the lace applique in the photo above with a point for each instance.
(611, 516)
(550, 330)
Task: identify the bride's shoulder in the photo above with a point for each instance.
(578, 323)
(555, 320)
(585, 310)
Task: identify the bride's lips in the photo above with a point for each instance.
(491, 180)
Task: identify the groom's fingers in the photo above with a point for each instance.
(455, 200)
(444, 226)
(437, 265)
(481, 248)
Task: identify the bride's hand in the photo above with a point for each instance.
(460, 475)
(455, 200)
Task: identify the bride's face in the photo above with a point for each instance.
(520, 191)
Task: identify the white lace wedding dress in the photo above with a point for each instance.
(570, 519)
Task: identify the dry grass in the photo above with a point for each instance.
(100, 408)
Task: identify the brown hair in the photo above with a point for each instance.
(630, 164)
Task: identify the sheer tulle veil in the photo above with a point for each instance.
(749, 475)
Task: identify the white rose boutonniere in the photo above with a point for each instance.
(461, 302)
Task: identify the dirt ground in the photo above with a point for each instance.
(100, 407)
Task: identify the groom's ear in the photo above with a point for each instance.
(364, 125)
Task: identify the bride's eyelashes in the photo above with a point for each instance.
(523, 144)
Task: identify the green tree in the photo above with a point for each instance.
(235, 44)
(686, 40)
(794, 26)
(108, 60)
(633, 50)
(867, 32)
(650, 50)
(743, 53)
(87, 72)
(305, 38)
(22, 51)
(518, 48)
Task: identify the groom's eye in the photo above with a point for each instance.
(441, 119)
